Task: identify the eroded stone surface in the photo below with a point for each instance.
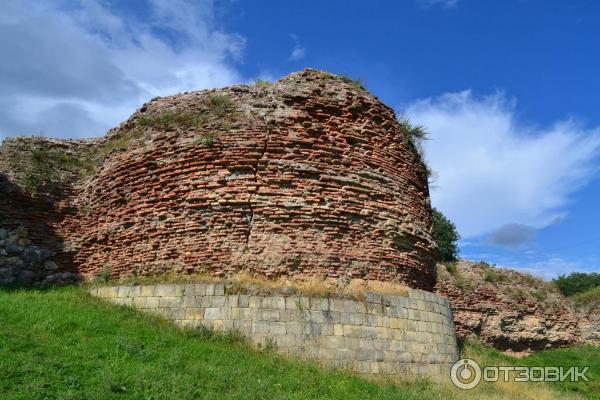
(511, 311)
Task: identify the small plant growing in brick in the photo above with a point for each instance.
(357, 83)
(219, 105)
(105, 275)
(207, 139)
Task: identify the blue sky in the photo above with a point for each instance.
(508, 91)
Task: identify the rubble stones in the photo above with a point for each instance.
(28, 264)
(511, 311)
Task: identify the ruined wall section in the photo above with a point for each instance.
(38, 185)
(309, 176)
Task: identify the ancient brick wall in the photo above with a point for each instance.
(311, 175)
(382, 335)
(308, 176)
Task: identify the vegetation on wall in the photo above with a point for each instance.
(40, 168)
(357, 83)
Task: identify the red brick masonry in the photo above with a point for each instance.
(310, 175)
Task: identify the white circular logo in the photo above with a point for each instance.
(465, 374)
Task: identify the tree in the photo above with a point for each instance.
(577, 282)
(446, 237)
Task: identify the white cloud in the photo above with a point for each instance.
(493, 171)
(75, 69)
(298, 52)
(438, 3)
(553, 267)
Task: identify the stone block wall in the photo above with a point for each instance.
(381, 335)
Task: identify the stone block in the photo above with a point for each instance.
(352, 331)
(274, 302)
(232, 300)
(108, 292)
(199, 289)
(260, 327)
(219, 289)
(244, 301)
(217, 301)
(194, 313)
(212, 313)
(123, 291)
(147, 291)
(277, 328)
(122, 301)
(174, 313)
(209, 289)
(268, 315)
(168, 290)
(170, 302)
(294, 328)
(338, 329)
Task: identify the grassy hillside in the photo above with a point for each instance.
(63, 344)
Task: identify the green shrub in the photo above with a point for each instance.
(446, 237)
(493, 276)
(577, 282)
(451, 268)
(587, 297)
(490, 276)
(417, 132)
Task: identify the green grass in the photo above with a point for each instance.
(64, 344)
(580, 356)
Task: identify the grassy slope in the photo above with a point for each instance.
(575, 356)
(63, 344)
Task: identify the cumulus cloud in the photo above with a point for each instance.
(512, 235)
(298, 52)
(75, 69)
(492, 170)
